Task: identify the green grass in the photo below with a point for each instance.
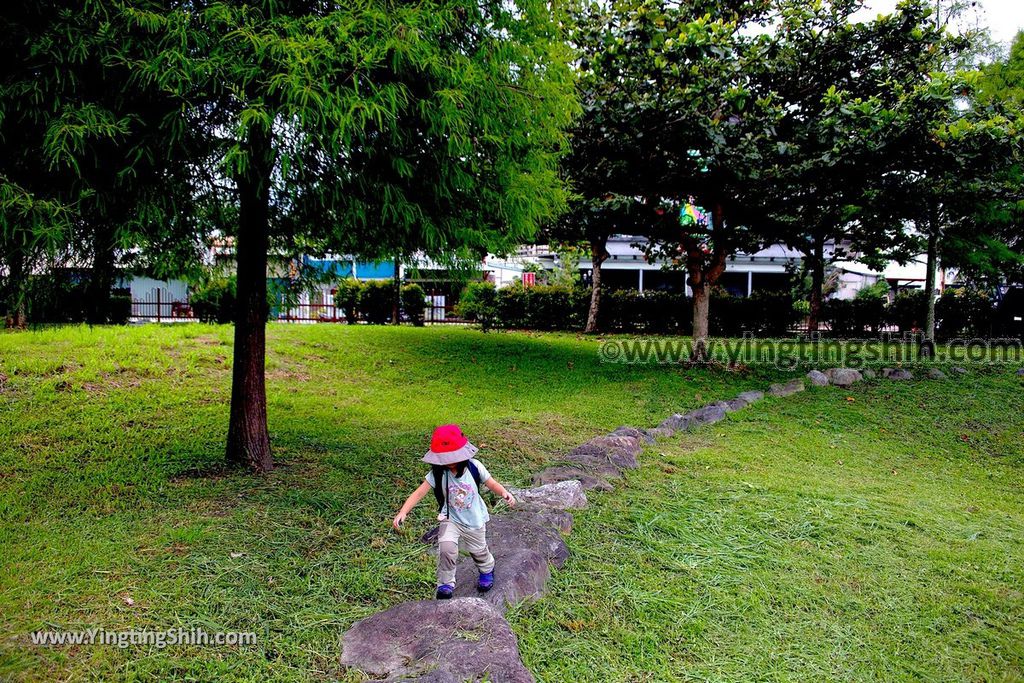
(810, 538)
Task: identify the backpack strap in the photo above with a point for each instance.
(439, 474)
(474, 471)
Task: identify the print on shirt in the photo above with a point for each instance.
(460, 496)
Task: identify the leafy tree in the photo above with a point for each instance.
(352, 127)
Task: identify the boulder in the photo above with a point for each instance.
(437, 640)
(514, 531)
(1020, 372)
(562, 495)
(897, 373)
(558, 473)
(787, 389)
(956, 370)
(676, 422)
(556, 519)
(519, 576)
(843, 377)
(935, 373)
(817, 378)
(868, 373)
(751, 396)
(735, 404)
(706, 415)
(639, 434)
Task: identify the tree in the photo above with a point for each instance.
(351, 127)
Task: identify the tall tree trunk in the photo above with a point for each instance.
(927, 349)
(248, 438)
(598, 255)
(701, 305)
(397, 301)
(98, 305)
(15, 290)
(817, 264)
(704, 273)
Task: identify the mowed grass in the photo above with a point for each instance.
(810, 538)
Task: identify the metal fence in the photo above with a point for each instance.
(158, 307)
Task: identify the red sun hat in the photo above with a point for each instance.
(448, 445)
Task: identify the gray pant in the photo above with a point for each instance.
(475, 543)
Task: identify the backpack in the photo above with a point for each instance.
(440, 472)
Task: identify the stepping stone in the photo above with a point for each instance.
(706, 415)
(514, 531)
(562, 495)
(660, 432)
(844, 377)
(750, 396)
(436, 640)
(638, 434)
(550, 475)
(899, 374)
(556, 519)
(677, 423)
(619, 451)
(817, 378)
(788, 389)
(520, 575)
(935, 373)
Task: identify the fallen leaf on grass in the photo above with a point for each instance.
(235, 556)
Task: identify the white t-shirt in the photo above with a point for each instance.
(462, 502)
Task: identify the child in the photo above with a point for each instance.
(463, 514)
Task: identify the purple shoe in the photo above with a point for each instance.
(486, 581)
(444, 591)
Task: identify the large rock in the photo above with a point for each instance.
(559, 473)
(817, 378)
(935, 373)
(640, 435)
(511, 532)
(751, 396)
(897, 373)
(706, 415)
(869, 373)
(619, 451)
(519, 576)
(843, 377)
(1020, 372)
(660, 432)
(957, 370)
(676, 422)
(787, 389)
(735, 404)
(436, 640)
(562, 495)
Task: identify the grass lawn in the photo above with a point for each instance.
(809, 538)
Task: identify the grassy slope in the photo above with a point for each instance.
(744, 552)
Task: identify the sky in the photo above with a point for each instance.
(1002, 17)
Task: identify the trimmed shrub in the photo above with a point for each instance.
(479, 302)
(376, 301)
(346, 297)
(414, 301)
(213, 301)
(962, 313)
(854, 317)
(907, 310)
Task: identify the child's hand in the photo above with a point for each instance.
(510, 499)
(399, 518)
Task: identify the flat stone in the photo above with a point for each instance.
(514, 531)
(935, 373)
(751, 396)
(639, 434)
(789, 388)
(660, 432)
(817, 378)
(562, 495)
(436, 640)
(676, 422)
(735, 404)
(520, 575)
(550, 475)
(898, 374)
(619, 451)
(868, 373)
(556, 519)
(956, 370)
(843, 377)
(706, 415)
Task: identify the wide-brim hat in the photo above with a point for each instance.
(449, 446)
